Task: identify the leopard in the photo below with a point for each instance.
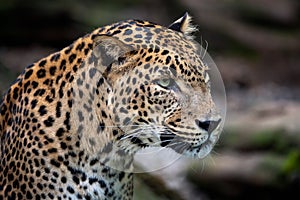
(71, 123)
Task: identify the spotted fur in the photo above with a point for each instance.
(69, 118)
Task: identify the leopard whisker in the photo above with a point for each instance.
(206, 47)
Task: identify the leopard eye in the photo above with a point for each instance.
(166, 83)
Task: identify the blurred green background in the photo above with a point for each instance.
(256, 46)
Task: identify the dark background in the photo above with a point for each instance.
(256, 46)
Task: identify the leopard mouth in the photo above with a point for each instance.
(178, 144)
(166, 139)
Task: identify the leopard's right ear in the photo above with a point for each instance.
(108, 50)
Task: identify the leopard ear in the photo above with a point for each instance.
(184, 25)
(108, 50)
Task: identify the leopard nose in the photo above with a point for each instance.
(208, 125)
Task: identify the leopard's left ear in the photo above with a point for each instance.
(184, 25)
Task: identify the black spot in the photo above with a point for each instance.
(101, 127)
(103, 114)
(138, 36)
(41, 73)
(39, 92)
(28, 74)
(61, 91)
(80, 92)
(28, 195)
(42, 110)
(49, 121)
(51, 186)
(80, 46)
(93, 180)
(148, 58)
(63, 179)
(55, 163)
(142, 120)
(50, 195)
(102, 184)
(156, 93)
(42, 63)
(55, 57)
(92, 72)
(87, 108)
(116, 32)
(3, 109)
(52, 70)
(80, 115)
(121, 176)
(123, 110)
(124, 26)
(142, 87)
(100, 82)
(68, 50)
(52, 150)
(126, 121)
(49, 99)
(87, 197)
(70, 103)
(156, 49)
(128, 39)
(86, 51)
(93, 162)
(115, 132)
(165, 52)
(168, 59)
(67, 121)
(134, 81)
(63, 145)
(58, 109)
(79, 130)
(173, 69)
(15, 93)
(41, 132)
(70, 189)
(40, 186)
(33, 103)
(138, 41)
(10, 177)
(76, 179)
(36, 152)
(72, 58)
(62, 65)
(128, 32)
(79, 81)
(48, 82)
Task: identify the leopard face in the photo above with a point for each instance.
(158, 92)
(168, 104)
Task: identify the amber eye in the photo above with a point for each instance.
(166, 83)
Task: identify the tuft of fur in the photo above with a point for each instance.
(185, 26)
